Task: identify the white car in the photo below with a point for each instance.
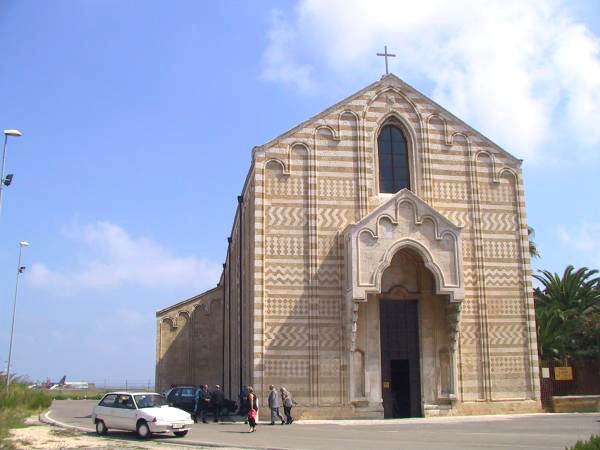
(144, 412)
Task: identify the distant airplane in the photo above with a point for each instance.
(76, 385)
(50, 384)
(62, 384)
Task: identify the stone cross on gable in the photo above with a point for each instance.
(386, 54)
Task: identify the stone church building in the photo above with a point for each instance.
(377, 266)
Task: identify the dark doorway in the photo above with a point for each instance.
(400, 367)
(400, 387)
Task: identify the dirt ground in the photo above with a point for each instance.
(39, 435)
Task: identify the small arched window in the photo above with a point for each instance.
(393, 160)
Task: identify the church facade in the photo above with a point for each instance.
(378, 266)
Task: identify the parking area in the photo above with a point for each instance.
(532, 431)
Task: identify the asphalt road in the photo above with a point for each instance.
(541, 431)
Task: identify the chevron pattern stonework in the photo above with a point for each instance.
(312, 230)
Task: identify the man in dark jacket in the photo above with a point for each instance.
(274, 404)
(202, 402)
(217, 400)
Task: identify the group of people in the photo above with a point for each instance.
(206, 401)
(277, 399)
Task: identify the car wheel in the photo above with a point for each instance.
(180, 433)
(101, 427)
(143, 430)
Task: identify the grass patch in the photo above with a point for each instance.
(18, 404)
(84, 394)
(593, 443)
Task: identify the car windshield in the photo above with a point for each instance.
(150, 401)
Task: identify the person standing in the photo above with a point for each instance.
(274, 404)
(217, 400)
(253, 411)
(197, 404)
(244, 408)
(202, 403)
(288, 403)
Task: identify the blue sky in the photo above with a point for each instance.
(138, 120)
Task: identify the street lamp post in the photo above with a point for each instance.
(6, 181)
(20, 270)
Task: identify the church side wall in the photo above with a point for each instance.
(232, 280)
(239, 298)
(282, 291)
(189, 342)
(248, 287)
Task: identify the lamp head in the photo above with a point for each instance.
(14, 133)
(24, 244)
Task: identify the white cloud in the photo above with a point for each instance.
(578, 62)
(521, 72)
(584, 238)
(279, 65)
(115, 258)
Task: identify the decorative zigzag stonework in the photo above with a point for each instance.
(313, 238)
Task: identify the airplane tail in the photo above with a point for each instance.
(62, 381)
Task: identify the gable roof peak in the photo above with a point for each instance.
(389, 76)
(390, 79)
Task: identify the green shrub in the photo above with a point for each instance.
(19, 403)
(20, 396)
(94, 394)
(592, 444)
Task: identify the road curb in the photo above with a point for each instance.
(45, 418)
(430, 420)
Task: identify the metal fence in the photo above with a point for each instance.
(125, 384)
(584, 379)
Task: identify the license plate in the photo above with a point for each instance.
(177, 425)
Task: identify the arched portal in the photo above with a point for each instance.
(405, 334)
(403, 251)
(413, 338)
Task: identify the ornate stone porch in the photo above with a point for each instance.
(404, 250)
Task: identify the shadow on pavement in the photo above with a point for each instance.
(131, 436)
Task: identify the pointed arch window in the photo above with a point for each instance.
(394, 171)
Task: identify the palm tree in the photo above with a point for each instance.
(565, 307)
(551, 342)
(533, 251)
